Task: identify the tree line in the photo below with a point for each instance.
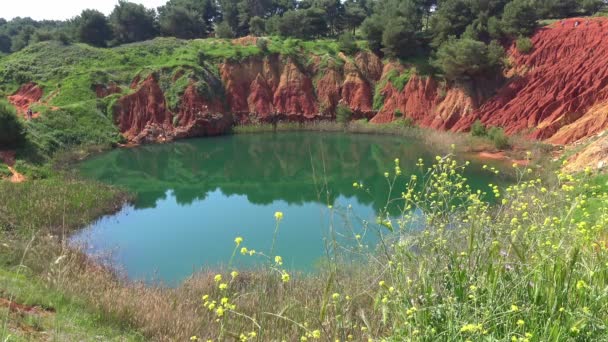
(464, 35)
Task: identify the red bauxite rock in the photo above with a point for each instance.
(27, 95)
(561, 80)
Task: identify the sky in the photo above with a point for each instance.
(60, 9)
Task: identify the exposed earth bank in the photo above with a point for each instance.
(557, 93)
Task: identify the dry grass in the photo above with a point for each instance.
(176, 314)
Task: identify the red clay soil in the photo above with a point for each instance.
(144, 117)
(27, 95)
(7, 157)
(558, 83)
(102, 90)
(558, 92)
(502, 156)
(21, 309)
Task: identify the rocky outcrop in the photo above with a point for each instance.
(594, 155)
(144, 117)
(295, 95)
(357, 91)
(258, 89)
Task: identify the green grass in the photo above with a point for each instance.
(57, 204)
(58, 317)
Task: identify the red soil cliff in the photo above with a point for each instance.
(27, 95)
(144, 117)
(559, 82)
(558, 92)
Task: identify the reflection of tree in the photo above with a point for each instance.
(288, 166)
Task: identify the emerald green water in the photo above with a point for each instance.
(194, 197)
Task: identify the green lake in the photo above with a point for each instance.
(193, 197)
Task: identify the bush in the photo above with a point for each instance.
(524, 45)
(465, 59)
(347, 43)
(498, 137)
(478, 129)
(81, 124)
(262, 44)
(4, 171)
(223, 30)
(343, 114)
(398, 114)
(12, 133)
(408, 122)
(257, 26)
(519, 17)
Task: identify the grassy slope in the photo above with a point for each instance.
(28, 212)
(57, 317)
(74, 68)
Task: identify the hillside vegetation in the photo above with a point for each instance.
(528, 262)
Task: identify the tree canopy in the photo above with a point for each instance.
(393, 28)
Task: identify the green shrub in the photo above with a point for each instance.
(524, 45)
(478, 129)
(12, 133)
(81, 124)
(343, 114)
(465, 59)
(347, 43)
(262, 44)
(408, 122)
(498, 137)
(4, 171)
(398, 114)
(223, 30)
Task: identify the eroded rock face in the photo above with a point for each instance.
(564, 77)
(27, 95)
(261, 88)
(357, 92)
(144, 117)
(558, 93)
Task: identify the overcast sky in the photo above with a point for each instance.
(60, 9)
